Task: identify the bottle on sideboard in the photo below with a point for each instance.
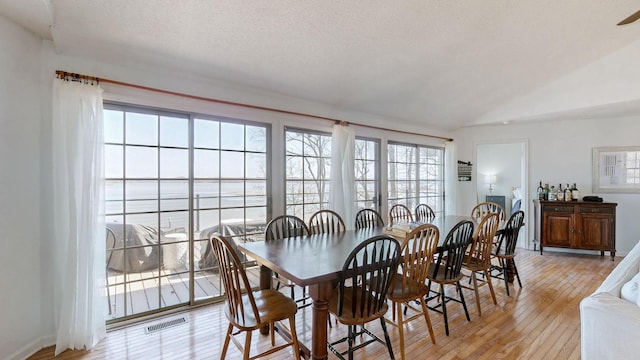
(567, 193)
(552, 194)
(560, 193)
(575, 194)
(546, 191)
(540, 191)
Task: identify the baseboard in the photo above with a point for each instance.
(27, 350)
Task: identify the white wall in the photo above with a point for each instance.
(560, 152)
(20, 235)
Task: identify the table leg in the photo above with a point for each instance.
(265, 283)
(320, 293)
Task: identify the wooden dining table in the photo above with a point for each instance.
(316, 261)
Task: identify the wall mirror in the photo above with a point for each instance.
(616, 169)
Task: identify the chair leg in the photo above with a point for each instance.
(515, 270)
(247, 345)
(400, 328)
(223, 354)
(350, 338)
(503, 264)
(294, 337)
(488, 280)
(464, 303)
(427, 318)
(444, 309)
(272, 331)
(475, 290)
(387, 339)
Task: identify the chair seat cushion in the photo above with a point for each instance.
(272, 306)
(348, 317)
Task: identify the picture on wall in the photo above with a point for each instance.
(464, 171)
(616, 169)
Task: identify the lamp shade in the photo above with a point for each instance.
(490, 178)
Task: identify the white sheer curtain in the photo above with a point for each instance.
(451, 178)
(342, 196)
(79, 235)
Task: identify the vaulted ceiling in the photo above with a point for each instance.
(433, 63)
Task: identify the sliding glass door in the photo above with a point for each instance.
(172, 179)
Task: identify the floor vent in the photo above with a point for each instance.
(165, 324)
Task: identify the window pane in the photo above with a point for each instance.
(232, 136)
(231, 164)
(206, 163)
(256, 166)
(174, 163)
(141, 129)
(141, 162)
(206, 134)
(174, 132)
(256, 138)
(174, 195)
(113, 126)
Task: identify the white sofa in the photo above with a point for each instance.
(610, 325)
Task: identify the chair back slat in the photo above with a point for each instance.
(285, 226)
(451, 254)
(326, 222)
(367, 274)
(418, 249)
(368, 218)
(234, 279)
(424, 213)
(399, 213)
(509, 236)
(482, 244)
(484, 208)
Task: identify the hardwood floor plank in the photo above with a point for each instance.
(539, 321)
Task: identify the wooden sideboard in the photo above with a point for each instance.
(576, 225)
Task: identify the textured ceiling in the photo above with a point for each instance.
(441, 64)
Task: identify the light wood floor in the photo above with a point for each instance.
(540, 321)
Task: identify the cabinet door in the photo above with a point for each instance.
(558, 229)
(594, 231)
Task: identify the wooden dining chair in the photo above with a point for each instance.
(360, 296)
(247, 309)
(505, 250)
(286, 226)
(399, 213)
(484, 208)
(368, 218)
(447, 269)
(424, 213)
(326, 222)
(478, 260)
(410, 285)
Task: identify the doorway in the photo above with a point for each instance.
(501, 174)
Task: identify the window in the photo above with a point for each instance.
(308, 170)
(172, 179)
(416, 176)
(367, 170)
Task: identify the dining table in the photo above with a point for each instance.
(316, 261)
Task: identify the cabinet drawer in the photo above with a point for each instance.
(595, 210)
(558, 209)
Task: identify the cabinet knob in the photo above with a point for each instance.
(595, 210)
